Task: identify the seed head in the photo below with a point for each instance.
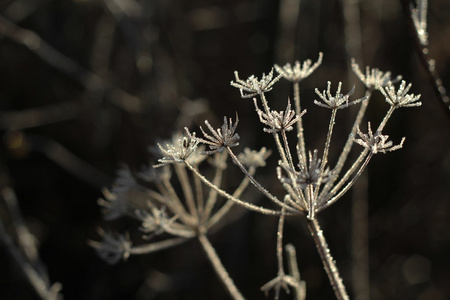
(220, 138)
(399, 98)
(253, 86)
(298, 72)
(376, 142)
(339, 101)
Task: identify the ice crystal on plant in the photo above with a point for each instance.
(253, 86)
(278, 121)
(339, 101)
(179, 151)
(298, 72)
(220, 138)
(399, 98)
(376, 142)
(373, 76)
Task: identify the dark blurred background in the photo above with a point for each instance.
(87, 85)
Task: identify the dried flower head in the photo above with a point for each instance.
(399, 98)
(298, 72)
(310, 174)
(220, 138)
(253, 158)
(278, 120)
(156, 221)
(339, 101)
(253, 86)
(113, 247)
(376, 142)
(179, 151)
(113, 205)
(373, 76)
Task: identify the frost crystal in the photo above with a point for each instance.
(253, 86)
(178, 152)
(298, 72)
(376, 142)
(220, 138)
(278, 121)
(399, 98)
(373, 76)
(339, 101)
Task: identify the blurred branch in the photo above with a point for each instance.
(427, 64)
(29, 263)
(21, 9)
(68, 161)
(18, 120)
(53, 57)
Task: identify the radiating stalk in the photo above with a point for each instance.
(219, 268)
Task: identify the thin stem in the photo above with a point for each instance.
(212, 197)
(280, 242)
(349, 185)
(300, 135)
(230, 197)
(311, 201)
(386, 118)
(219, 268)
(157, 246)
(39, 283)
(172, 203)
(328, 141)
(187, 189)
(229, 204)
(257, 184)
(347, 175)
(348, 144)
(327, 260)
(199, 195)
(300, 288)
(288, 151)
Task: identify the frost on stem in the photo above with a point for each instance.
(339, 101)
(278, 120)
(376, 142)
(400, 97)
(298, 72)
(373, 76)
(220, 138)
(253, 86)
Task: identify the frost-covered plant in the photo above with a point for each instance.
(311, 183)
(168, 217)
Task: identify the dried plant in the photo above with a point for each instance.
(311, 183)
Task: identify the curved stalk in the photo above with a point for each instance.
(219, 268)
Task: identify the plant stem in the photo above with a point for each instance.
(219, 268)
(327, 260)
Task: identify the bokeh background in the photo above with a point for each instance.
(88, 85)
